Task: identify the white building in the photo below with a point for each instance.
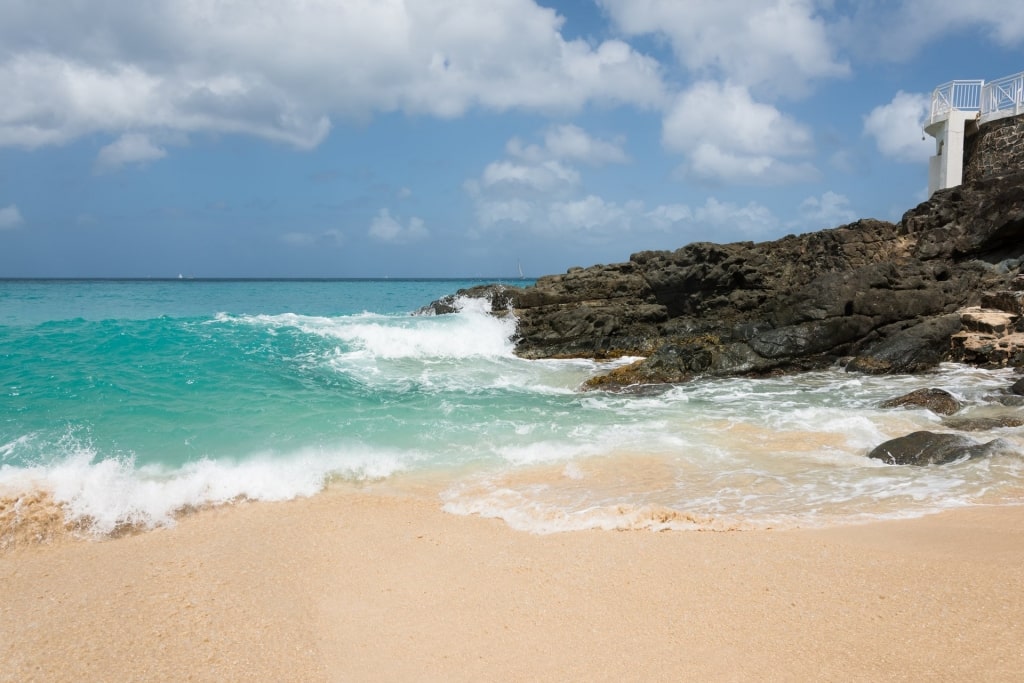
(958, 108)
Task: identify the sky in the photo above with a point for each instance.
(460, 138)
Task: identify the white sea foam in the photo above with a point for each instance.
(470, 333)
(107, 493)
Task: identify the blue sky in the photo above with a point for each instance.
(433, 138)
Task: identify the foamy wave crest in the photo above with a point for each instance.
(472, 332)
(108, 494)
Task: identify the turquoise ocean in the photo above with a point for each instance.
(129, 402)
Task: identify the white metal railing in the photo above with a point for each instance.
(963, 95)
(1004, 97)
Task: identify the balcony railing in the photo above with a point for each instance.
(1004, 97)
(963, 95)
(992, 100)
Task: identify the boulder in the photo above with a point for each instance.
(936, 400)
(930, 448)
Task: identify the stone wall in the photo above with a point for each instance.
(996, 149)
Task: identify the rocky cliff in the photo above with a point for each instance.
(942, 284)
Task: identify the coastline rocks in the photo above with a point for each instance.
(936, 400)
(943, 284)
(909, 350)
(930, 448)
(984, 423)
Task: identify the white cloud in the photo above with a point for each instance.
(283, 70)
(896, 128)
(752, 220)
(589, 214)
(665, 216)
(573, 143)
(490, 212)
(10, 217)
(545, 176)
(774, 46)
(729, 137)
(387, 229)
(569, 143)
(897, 31)
(827, 211)
(130, 148)
(539, 187)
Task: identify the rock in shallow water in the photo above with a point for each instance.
(936, 400)
(929, 448)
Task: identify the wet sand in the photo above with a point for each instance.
(370, 587)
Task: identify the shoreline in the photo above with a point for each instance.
(356, 585)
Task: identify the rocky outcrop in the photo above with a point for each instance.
(942, 284)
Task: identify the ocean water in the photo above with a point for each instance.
(128, 402)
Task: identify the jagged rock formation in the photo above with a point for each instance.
(942, 284)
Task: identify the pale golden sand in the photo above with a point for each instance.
(367, 587)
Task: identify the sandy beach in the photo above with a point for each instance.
(364, 586)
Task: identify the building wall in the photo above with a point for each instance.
(996, 149)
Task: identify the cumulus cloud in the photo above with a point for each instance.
(283, 70)
(575, 144)
(540, 190)
(896, 128)
(538, 185)
(774, 46)
(491, 211)
(130, 148)
(828, 210)
(545, 176)
(10, 217)
(569, 143)
(898, 30)
(728, 136)
(593, 213)
(665, 216)
(388, 229)
(751, 219)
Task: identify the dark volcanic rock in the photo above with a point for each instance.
(1018, 387)
(912, 349)
(936, 400)
(887, 298)
(984, 423)
(929, 448)
(500, 297)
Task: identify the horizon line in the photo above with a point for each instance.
(245, 278)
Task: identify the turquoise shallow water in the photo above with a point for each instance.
(128, 401)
